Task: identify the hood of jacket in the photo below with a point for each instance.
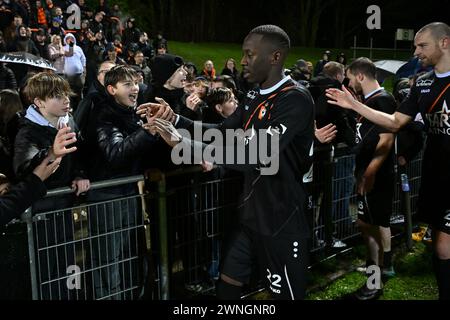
(35, 116)
(69, 35)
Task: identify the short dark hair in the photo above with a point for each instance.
(333, 69)
(274, 34)
(363, 65)
(227, 81)
(439, 30)
(119, 73)
(218, 96)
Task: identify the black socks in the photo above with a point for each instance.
(442, 272)
(387, 259)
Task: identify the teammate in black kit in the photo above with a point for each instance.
(274, 228)
(374, 170)
(430, 95)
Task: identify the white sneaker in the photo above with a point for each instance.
(362, 269)
(338, 244)
(398, 219)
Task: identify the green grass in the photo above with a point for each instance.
(414, 279)
(198, 53)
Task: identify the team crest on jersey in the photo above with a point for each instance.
(262, 112)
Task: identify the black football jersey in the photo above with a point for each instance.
(430, 95)
(276, 203)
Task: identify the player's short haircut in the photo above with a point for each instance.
(438, 30)
(364, 66)
(275, 35)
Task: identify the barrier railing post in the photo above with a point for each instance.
(406, 207)
(27, 218)
(164, 270)
(328, 200)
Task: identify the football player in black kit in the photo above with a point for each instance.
(273, 222)
(374, 171)
(430, 95)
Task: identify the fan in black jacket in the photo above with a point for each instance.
(118, 145)
(34, 141)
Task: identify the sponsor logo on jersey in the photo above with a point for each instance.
(447, 217)
(440, 121)
(424, 82)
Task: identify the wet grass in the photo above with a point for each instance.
(414, 279)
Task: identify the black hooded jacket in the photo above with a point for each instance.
(32, 145)
(326, 113)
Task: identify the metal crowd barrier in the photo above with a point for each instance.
(90, 251)
(195, 211)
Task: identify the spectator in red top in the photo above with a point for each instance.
(208, 70)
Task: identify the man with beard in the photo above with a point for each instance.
(374, 170)
(430, 95)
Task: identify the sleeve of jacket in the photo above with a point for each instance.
(234, 121)
(78, 157)
(27, 155)
(21, 196)
(12, 80)
(119, 149)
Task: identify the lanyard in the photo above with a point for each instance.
(438, 98)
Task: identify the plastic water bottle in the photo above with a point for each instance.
(405, 183)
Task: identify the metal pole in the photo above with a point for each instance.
(395, 45)
(27, 218)
(406, 205)
(328, 198)
(163, 240)
(97, 185)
